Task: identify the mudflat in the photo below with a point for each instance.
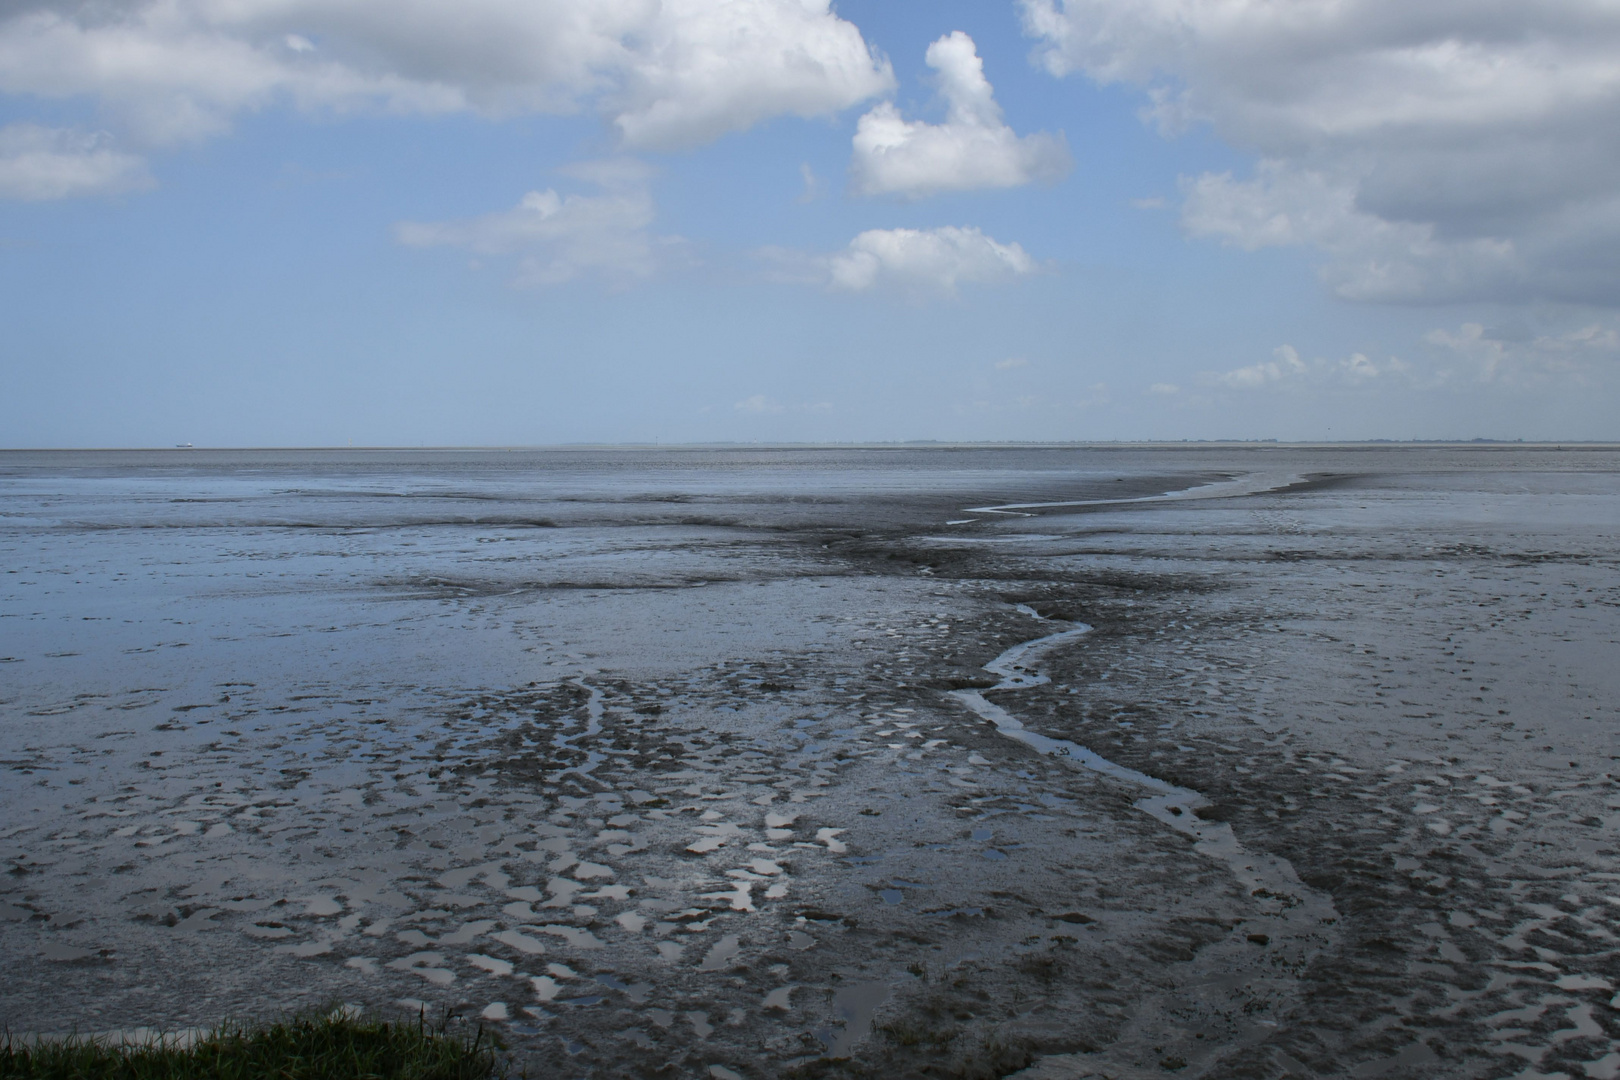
(1216, 761)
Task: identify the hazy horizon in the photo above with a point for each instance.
(850, 444)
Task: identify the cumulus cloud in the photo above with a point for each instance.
(1287, 368)
(53, 163)
(561, 237)
(1433, 151)
(666, 74)
(973, 149)
(703, 68)
(1371, 258)
(1470, 355)
(914, 260)
(1498, 355)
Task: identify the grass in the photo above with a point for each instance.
(338, 1046)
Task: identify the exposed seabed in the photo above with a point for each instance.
(1202, 763)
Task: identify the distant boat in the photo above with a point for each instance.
(184, 446)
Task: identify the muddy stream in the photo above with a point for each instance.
(1291, 915)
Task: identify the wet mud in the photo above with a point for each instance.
(1056, 763)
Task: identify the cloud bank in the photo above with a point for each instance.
(665, 75)
(973, 149)
(1438, 151)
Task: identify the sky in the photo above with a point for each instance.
(526, 222)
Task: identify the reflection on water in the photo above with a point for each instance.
(688, 755)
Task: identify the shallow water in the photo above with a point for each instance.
(691, 756)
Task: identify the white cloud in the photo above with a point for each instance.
(666, 74)
(1370, 258)
(1286, 365)
(924, 260)
(1286, 368)
(1431, 151)
(703, 68)
(1498, 355)
(561, 237)
(1011, 362)
(1164, 388)
(1472, 354)
(916, 261)
(973, 149)
(39, 163)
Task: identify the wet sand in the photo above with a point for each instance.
(703, 763)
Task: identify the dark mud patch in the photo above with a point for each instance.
(1458, 907)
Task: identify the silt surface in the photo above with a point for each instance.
(1213, 761)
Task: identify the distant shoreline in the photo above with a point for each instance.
(918, 444)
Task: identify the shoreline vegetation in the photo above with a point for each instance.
(340, 1045)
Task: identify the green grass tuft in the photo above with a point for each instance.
(333, 1047)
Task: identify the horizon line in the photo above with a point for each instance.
(848, 444)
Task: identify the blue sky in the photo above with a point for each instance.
(310, 222)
